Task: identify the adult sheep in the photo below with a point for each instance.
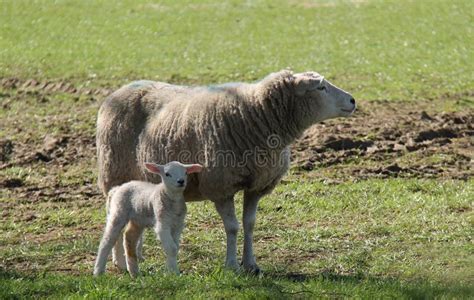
(240, 132)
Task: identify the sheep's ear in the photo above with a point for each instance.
(154, 168)
(305, 82)
(195, 168)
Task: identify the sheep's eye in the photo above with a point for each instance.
(322, 88)
(167, 174)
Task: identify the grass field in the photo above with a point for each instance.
(357, 222)
(378, 49)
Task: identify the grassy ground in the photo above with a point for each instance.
(377, 49)
(362, 237)
(397, 238)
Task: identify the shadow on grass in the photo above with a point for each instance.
(219, 283)
(416, 289)
(13, 274)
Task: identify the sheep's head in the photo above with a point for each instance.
(174, 174)
(319, 99)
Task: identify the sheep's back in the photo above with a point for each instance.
(159, 122)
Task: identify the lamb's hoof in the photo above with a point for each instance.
(121, 264)
(121, 267)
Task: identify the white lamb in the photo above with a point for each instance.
(142, 204)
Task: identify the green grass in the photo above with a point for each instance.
(221, 285)
(377, 238)
(376, 49)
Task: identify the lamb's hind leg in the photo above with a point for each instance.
(249, 215)
(132, 236)
(118, 254)
(140, 248)
(113, 229)
(226, 210)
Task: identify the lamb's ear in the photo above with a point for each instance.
(305, 82)
(154, 168)
(195, 168)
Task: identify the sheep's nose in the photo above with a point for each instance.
(353, 101)
(181, 181)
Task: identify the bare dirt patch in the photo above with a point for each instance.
(59, 149)
(391, 139)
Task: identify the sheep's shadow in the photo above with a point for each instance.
(302, 277)
(413, 290)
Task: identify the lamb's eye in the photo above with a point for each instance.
(322, 88)
(167, 174)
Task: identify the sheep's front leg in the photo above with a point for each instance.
(170, 248)
(249, 216)
(132, 236)
(226, 210)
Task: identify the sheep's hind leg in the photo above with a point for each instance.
(249, 215)
(226, 210)
(132, 235)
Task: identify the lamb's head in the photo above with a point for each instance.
(319, 99)
(174, 174)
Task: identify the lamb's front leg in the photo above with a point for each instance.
(226, 210)
(170, 248)
(249, 215)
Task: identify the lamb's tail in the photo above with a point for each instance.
(109, 197)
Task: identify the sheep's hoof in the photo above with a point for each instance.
(175, 272)
(252, 269)
(233, 266)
